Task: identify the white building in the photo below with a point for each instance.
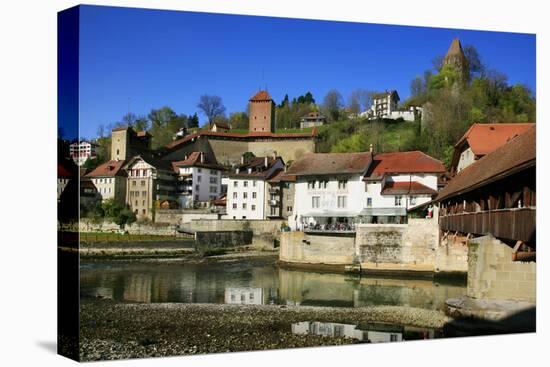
(247, 187)
(110, 181)
(397, 182)
(329, 189)
(334, 191)
(199, 180)
(81, 151)
(385, 106)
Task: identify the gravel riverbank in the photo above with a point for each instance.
(112, 330)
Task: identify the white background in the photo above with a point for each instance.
(28, 182)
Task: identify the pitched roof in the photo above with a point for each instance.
(107, 169)
(194, 160)
(262, 95)
(331, 163)
(403, 162)
(485, 138)
(156, 163)
(223, 125)
(519, 153)
(63, 172)
(257, 166)
(247, 136)
(281, 175)
(455, 48)
(407, 188)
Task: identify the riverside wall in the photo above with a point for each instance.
(377, 248)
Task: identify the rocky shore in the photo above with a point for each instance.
(112, 330)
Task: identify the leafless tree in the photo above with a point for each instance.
(211, 106)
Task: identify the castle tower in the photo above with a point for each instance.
(261, 113)
(125, 143)
(455, 57)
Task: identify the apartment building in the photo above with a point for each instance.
(110, 181)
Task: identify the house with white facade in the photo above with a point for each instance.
(82, 151)
(110, 181)
(248, 187)
(386, 106)
(482, 139)
(199, 180)
(329, 190)
(397, 182)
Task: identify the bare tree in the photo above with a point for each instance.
(211, 106)
(332, 103)
(360, 100)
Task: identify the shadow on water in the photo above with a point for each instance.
(521, 322)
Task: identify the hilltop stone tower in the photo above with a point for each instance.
(261, 113)
(125, 143)
(455, 57)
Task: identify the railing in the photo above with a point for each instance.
(329, 228)
(513, 224)
(273, 202)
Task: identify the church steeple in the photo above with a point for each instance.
(455, 57)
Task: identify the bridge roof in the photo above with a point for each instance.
(517, 154)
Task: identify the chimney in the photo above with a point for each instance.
(185, 157)
(274, 154)
(370, 148)
(265, 162)
(242, 159)
(202, 157)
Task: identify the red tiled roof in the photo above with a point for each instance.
(247, 136)
(281, 175)
(407, 188)
(63, 172)
(331, 163)
(403, 162)
(519, 153)
(194, 160)
(143, 133)
(261, 96)
(107, 169)
(485, 138)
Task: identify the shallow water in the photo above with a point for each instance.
(246, 282)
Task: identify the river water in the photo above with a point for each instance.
(256, 282)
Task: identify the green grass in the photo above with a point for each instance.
(245, 131)
(92, 237)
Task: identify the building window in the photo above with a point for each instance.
(254, 183)
(143, 202)
(136, 203)
(234, 195)
(235, 184)
(143, 193)
(254, 195)
(244, 205)
(213, 189)
(288, 208)
(245, 195)
(197, 187)
(213, 180)
(234, 207)
(196, 197)
(413, 200)
(342, 201)
(144, 211)
(398, 200)
(369, 202)
(142, 182)
(253, 207)
(199, 178)
(199, 170)
(245, 183)
(315, 201)
(342, 184)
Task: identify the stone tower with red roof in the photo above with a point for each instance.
(261, 113)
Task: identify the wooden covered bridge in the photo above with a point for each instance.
(496, 195)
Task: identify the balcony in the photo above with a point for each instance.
(274, 190)
(273, 202)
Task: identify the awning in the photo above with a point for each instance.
(333, 214)
(400, 211)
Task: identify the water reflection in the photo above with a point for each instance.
(256, 284)
(365, 332)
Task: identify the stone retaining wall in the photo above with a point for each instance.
(222, 239)
(299, 247)
(135, 228)
(493, 275)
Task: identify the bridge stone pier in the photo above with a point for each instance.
(492, 273)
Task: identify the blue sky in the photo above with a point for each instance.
(137, 59)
